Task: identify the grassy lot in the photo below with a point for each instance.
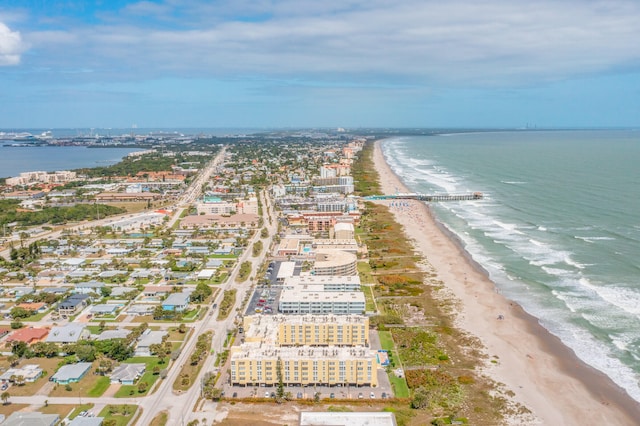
(364, 270)
(227, 303)
(59, 409)
(102, 385)
(131, 207)
(128, 391)
(36, 317)
(370, 305)
(176, 336)
(219, 278)
(80, 389)
(399, 385)
(94, 329)
(122, 414)
(386, 341)
(160, 419)
(189, 372)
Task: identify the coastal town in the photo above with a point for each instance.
(234, 275)
(240, 280)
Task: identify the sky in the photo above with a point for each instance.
(311, 63)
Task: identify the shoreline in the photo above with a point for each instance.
(545, 376)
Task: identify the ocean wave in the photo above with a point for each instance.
(592, 239)
(513, 182)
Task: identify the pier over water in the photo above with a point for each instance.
(427, 197)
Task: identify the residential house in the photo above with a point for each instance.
(177, 302)
(71, 373)
(72, 304)
(29, 335)
(30, 373)
(35, 418)
(120, 333)
(69, 333)
(104, 309)
(127, 374)
(88, 287)
(147, 339)
(35, 307)
(157, 290)
(86, 421)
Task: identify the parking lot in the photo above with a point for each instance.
(308, 392)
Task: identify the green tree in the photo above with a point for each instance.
(201, 292)
(5, 397)
(19, 348)
(142, 387)
(420, 398)
(280, 388)
(17, 312)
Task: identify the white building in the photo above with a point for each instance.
(296, 301)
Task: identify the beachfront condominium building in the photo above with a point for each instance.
(259, 364)
(335, 262)
(307, 330)
(323, 282)
(300, 302)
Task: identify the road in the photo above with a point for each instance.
(181, 406)
(222, 327)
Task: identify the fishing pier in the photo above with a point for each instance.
(427, 197)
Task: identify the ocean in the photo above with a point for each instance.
(15, 160)
(558, 230)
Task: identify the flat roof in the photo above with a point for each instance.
(286, 269)
(296, 295)
(266, 327)
(317, 418)
(301, 280)
(262, 350)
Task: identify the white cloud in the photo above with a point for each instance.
(11, 46)
(464, 41)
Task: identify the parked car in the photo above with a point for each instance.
(360, 395)
(333, 395)
(372, 395)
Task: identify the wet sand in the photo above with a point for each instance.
(545, 375)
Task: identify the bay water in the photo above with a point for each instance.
(15, 160)
(558, 230)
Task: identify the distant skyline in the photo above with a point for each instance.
(300, 63)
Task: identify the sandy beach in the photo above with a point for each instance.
(545, 376)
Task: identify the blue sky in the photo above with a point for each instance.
(330, 63)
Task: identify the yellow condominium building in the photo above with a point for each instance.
(334, 332)
(257, 364)
(307, 330)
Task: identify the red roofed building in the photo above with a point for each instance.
(29, 335)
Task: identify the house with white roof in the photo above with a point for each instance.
(69, 333)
